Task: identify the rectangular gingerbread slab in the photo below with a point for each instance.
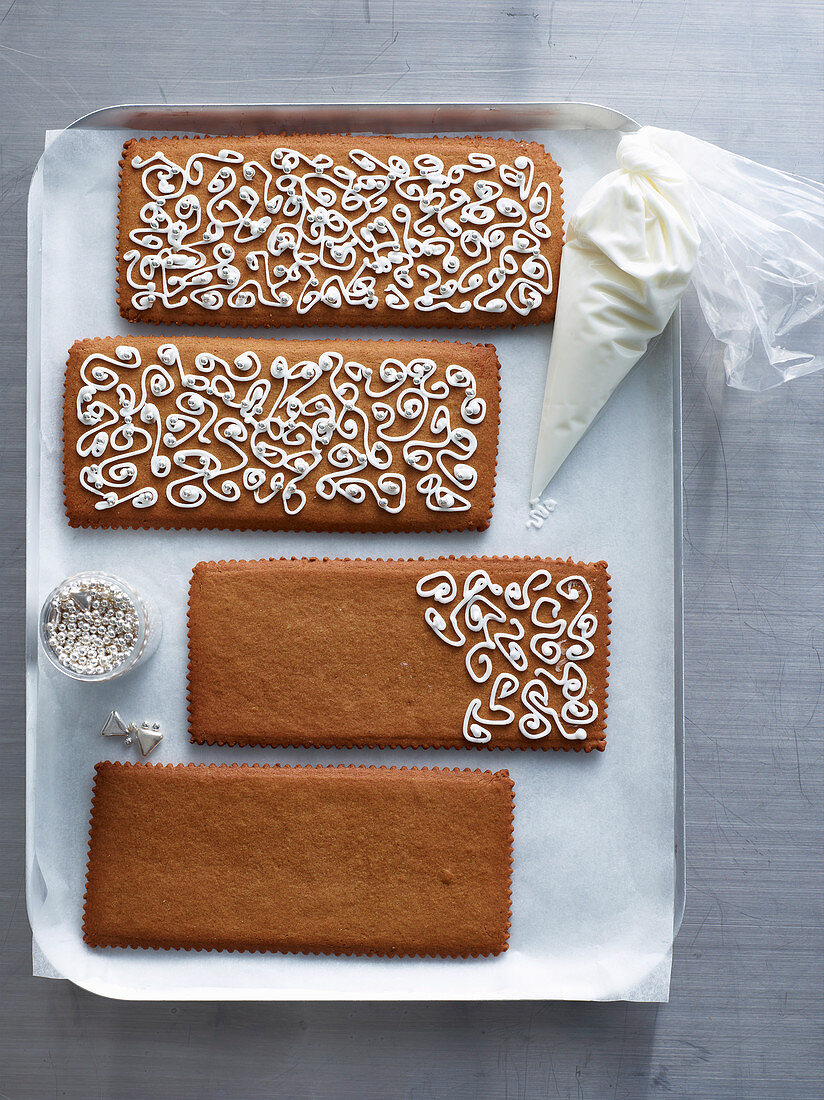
(343, 435)
(311, 229)
(337, 860)
(493, 652)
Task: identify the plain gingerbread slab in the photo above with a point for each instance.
(493, 652)
(302, 435)
(328, 229)
(321, 860)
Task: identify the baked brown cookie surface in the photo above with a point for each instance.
(446, 653)
(332, 860)
(340, 435)
(308, 229)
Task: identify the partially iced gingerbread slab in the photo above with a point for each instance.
(448, 652)
(311, 229)
(331, 860)
(343, 435)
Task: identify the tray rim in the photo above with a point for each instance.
(583, 115)
(498, 115)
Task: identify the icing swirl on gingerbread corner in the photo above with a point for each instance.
(541, 644)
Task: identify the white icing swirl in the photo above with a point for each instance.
(329, 429)
(300, 232)
(561, 646)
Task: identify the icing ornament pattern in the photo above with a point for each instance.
(276, 431)
(298, 232)
(545, 642)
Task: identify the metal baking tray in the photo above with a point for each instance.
(53, 749)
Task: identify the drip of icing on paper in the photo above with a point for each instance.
(539, 511)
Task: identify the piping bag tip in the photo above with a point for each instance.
(563, 422)
(540, 482)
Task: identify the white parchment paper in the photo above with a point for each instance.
(593, 880)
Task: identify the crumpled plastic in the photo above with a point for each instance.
(759, 275)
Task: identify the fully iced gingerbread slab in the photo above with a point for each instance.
(343, 435)
(493, 652)
(328, 229)
(337, 860)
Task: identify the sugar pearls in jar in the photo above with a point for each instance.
(94, 627)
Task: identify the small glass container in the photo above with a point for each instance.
(95, 627)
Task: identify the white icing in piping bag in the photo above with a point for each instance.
(630, 251)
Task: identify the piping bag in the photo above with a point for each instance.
(752, 240)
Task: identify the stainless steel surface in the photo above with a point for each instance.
(394, 118)
(745, 1015)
